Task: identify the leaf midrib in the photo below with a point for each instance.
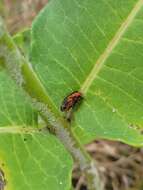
(19, 129)
(112, 44)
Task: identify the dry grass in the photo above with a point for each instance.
(121, 166)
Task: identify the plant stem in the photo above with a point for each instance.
(23, 74)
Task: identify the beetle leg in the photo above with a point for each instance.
(69, 114)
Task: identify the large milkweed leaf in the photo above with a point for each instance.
(29, 159)
(34, 161)
(15, 109)
(95, 47)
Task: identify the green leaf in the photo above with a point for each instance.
(22, 40)
(34, 161)
(95, 47)
(29, 159)
(15, 108)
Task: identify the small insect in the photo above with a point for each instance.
(69, 103)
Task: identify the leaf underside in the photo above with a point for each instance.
(29, 162)
(95, 47)
(28, 159)
(15, 109)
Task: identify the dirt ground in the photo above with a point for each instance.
(121, 165)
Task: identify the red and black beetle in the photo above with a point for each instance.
(70, 101)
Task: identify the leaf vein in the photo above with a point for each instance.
(112, 44)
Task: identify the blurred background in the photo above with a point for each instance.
(120, 164)
(19, 14)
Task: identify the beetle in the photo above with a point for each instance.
(69, 103)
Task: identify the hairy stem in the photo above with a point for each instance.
(21, 71)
